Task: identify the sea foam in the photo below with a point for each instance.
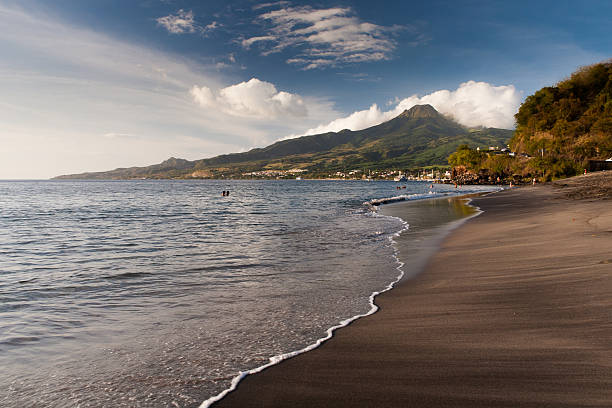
(330, 332)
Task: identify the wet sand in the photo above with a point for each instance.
(513, 310)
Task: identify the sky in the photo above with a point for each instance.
(94, 85)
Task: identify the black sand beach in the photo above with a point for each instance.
(513, 310)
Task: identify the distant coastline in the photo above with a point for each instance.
(419, 139)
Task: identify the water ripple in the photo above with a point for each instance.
(153, 293)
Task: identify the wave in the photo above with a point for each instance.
(372, 205)
(404, 197)
(126, 275)
(329, 333)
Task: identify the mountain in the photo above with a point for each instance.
(419, 136)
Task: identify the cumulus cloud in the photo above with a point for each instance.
(472, 104)
(254, 98)
(111, 89)
(323, 37)
(183, 22)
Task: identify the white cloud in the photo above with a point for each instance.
(247, 42)
(71, 98)
(203, 96)
(272, 4)
(179, 23)
(228, 62)
(472, 104)
(183, 22)
(212, 26)
(355, 121)
(254, 98)
(323, 37)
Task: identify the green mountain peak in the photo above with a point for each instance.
(420, 111)
(419, 136)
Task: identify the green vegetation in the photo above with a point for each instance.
(475, 166)
(464, 156)
(417, 138)
(560, 127)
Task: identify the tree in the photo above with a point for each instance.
(570, 122)
(465, 156)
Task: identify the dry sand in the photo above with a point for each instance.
(514, 310)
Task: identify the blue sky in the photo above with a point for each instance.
(94, 85)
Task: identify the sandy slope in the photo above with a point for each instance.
(515, 310)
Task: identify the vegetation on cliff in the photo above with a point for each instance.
(561, 128)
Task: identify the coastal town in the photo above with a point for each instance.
(437, 174)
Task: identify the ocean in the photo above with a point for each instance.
(160, 293)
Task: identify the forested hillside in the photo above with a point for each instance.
(571, 122)
(558, 130)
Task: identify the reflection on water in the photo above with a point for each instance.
(425, 214)
(156, 293)
(428, 220)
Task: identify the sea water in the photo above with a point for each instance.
(159, 293)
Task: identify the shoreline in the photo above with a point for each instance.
(512, 310)
(329, 334)
(423, 251)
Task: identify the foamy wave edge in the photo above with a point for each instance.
(330, 332)
(373, 206)
(405, 197)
